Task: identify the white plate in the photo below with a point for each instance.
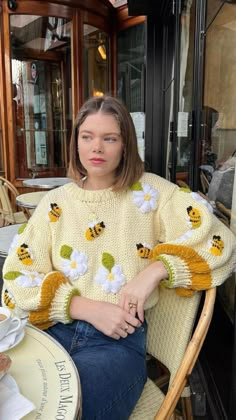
(19, 338)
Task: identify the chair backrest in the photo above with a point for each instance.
(187, 362)
(6, 209)
(170, 325)
(5, 202)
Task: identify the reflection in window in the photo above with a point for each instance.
(131, 67)
(41, 78)
(219, 143)
(96, 62)
(131, 77)
(184, 158)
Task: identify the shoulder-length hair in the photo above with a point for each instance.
(131, 167)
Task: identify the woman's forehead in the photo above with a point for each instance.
(100, 121)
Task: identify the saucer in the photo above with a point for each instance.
(18, 339)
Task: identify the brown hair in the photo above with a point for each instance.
(131, 166)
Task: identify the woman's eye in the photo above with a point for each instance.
(110, 139)
(85, 137)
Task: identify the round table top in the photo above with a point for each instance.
(47, 183)
(30, 200)
(7, 234)
(46, 375)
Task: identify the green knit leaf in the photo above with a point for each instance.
(66, 251)
(107, 260)
(12, 275)
(137, 186)
(185, 189)
(22, 228)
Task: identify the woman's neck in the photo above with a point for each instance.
(93, 184)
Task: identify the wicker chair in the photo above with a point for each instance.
(9, 216)
(170, 340)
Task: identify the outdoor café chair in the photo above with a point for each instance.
(176, 333)
(8, 193)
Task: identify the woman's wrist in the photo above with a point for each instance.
(158, 272)
(81, 308)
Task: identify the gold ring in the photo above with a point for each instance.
(126, 328)
(132, 305)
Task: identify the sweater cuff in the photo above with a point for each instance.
(178, 272)
(60, 307)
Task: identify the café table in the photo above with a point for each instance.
(7, 234)
(46, 375)
(46, 183)
(30, 200)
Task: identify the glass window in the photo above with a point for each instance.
(184, 135)
(131, 67)
(96, 62)
(218, 154)
(41, 78)
(131, 76)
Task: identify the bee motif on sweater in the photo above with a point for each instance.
(94, 231)
(194, 217)
(8, 299)
(24, 254)
(144, 251)
(54, 213)
(216, 245)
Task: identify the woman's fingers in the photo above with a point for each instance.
(140, 311)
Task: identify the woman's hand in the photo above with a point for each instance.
(108, 318)
(134, 294)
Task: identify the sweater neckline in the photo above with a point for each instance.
(92, 195)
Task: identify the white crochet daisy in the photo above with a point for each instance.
(29, 279)
(146, 198)
(111, 280)
(76, 265)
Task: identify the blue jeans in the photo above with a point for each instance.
(112, 372)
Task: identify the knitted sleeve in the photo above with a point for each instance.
(31, 285)
(197, 249)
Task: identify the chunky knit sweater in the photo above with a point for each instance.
(91, 243)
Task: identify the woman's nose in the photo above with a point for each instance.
(98, 145)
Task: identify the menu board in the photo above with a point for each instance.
(47, 376)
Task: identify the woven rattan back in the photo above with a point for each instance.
(7, 211)
(170, 325)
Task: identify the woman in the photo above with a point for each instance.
(90, 260)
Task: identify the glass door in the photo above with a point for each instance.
(41, 85)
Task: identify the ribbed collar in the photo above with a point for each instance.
(96, 196)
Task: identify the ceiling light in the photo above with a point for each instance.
(102, 51)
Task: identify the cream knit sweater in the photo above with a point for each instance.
(91, 243)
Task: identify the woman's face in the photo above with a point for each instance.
(100, 146)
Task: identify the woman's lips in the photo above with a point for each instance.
(94, 160)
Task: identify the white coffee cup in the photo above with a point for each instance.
(8, 323)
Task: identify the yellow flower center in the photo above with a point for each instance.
(73, 264)
(110, 277)
(147, 197)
